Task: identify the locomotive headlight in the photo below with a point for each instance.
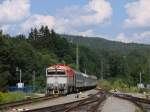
(61, 86)
(65, 86)
(51, 86)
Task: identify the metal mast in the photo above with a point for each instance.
(102, 69)
(33, 80)
(20, 72)
(149, 67)
(140, 78)
(77, 57)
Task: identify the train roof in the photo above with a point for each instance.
(60, 66)
(67, 69)
(93, 76)
(85, 75)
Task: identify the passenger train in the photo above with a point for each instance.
(62, 79)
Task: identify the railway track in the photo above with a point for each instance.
(23, 102)
(90, 104)
(144, 104)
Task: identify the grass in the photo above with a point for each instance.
(11, 97)
(139, 110)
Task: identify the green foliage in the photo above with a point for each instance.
(117, 85)
(104, 84)
(115, 59)
(4, 80)
(41, 49)
(27, 54)
(120, 85)
(40, 84)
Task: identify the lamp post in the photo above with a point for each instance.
(20, 72)
(33, 80)
(140, 78)
(102, 64)
(77, 57)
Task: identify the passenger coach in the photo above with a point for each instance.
(61, 79)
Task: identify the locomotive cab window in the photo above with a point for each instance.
(51, 73)
(55, 72)
(60, 72)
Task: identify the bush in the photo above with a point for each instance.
(120, 85)
(104, 84)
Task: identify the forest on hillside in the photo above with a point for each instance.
(34, 53)
(43, 47)
(123, 61)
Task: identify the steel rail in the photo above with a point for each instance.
(23, 102)
(144, 104)
(92, 101)
(95, 107)
(90, 106)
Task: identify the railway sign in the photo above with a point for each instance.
(140, 85)
(20, 85)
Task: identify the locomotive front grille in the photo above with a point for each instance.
(59, 86)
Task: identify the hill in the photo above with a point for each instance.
(98, 44)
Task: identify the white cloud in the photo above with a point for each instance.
(88, 33)
(37, 21)
(84, 33)
(139, 14)
(34, 21)
(122, 38)
(142, 37)
(14, 10)
(5, 28)
(16, 15)
(95, 12)
(98, 12)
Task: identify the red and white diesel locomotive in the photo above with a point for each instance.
(61, 79)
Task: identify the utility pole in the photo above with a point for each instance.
(33, 80)
(84, 66)
(149, 67)
(140, 78)
(20, 84)
(20, 75)
(20, 72)
(102, 69)
(85, 71)
(77, 57)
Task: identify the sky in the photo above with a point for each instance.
(120, 20)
